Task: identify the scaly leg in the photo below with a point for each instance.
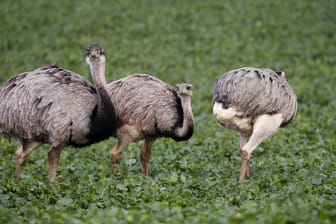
(243, 140)
(145, 154)
(53, 159)
(22, 154)
(245, 167)
(264, 127)
(123, 141)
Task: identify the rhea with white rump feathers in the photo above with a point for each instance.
(57, 106)
(147, 108)
(256, 103)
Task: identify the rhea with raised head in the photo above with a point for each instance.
(57, 106)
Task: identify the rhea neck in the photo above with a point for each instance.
(187, 112)
(98, 74)
(103, 116)
(187, 128)
(186, 101)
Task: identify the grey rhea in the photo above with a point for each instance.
(57, 106)
(256, 103)
(147, 108)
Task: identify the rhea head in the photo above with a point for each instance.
(185, 89)
(96, 58)
(95, 54)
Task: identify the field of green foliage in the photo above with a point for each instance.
(293, 173)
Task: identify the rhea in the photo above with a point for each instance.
(57, 106)
(256, 103)
(148, 108)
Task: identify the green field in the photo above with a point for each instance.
(293, 173)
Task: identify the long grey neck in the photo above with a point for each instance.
(103, 120)
(187, 129)
(98, 75)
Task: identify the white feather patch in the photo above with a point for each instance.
(231, 118)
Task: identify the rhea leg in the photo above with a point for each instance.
(22, 155)
(145, 154)
(264, 127)
(245, 166)
(126, 134)
(123, 141)
(53, 159)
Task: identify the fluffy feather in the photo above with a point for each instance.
(32, 106)
(253, 92)
(142, 99)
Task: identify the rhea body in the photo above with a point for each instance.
(147, 108)
(57, 106)
(256, 103)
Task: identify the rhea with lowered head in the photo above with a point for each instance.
(57, 106)
(148, 108)
(256, 103)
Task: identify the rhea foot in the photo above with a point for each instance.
(115, 161)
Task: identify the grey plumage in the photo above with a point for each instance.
(148, 108)
(56, 106)
(33, 106)
(256, 91)
(255, 102)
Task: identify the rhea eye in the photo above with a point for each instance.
(189, 87)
